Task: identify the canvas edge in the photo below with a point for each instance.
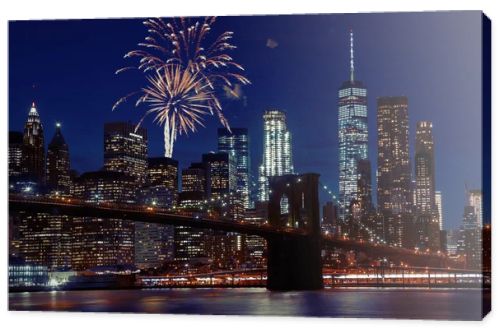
(486, 150)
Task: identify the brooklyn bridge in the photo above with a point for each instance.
(294, 239)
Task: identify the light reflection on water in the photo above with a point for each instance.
(361, 303)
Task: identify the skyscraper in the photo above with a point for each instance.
(15, 153)
(277, 157)
(163, 171)
(154, 243)
(425, 188)
(102, 241)
(427, 215)
(33, 155)
(190, 243)
(44, 239)
(126, 150)
(439, 208)
(221, 172)
(223, 248)
(475, 199)
(394, 197)
(353, 135)
(162, 182)
(236, 144)
(194, 185)
(469, 243)
(58, 163)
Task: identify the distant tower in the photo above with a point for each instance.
(424, 169)
(394, 196)
(33, 157)
(277, 158)
(427, 215)
(58, 163)
(353, 135)
(439, 207)
(469, 242)
(126, 150)
(475, 199)
(236, 143)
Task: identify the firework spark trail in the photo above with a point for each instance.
(178, 46)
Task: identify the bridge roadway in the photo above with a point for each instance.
(73, 207)
(140, 213)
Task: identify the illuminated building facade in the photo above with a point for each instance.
(33, 152)
(194, 185)
(163, 171)
(277, 158)
(190, 243)
(236, 144)
(394, 196)
(44, 239)
(154, 243)
(353, 135)
(58, 164)
(22, 274)
(103, 241)
(425, 185)
(224, 248)
(452, 240)
(104, 187)
(255, 246)
(469, 244)
(439, 208)
(126, 150)
(426, 211)
(475, 199)
(163, 180)
(15, 153)
(221, 172)
(157, 196)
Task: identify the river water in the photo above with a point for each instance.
(349, 302)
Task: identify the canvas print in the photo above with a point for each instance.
(333, 165)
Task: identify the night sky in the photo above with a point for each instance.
(295, 63)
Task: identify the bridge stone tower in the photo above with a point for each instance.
(294, 262)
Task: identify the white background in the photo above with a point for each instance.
(38, 322)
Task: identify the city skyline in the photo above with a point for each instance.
(307, 150)
(297, 167)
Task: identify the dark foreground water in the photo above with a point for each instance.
(360, 303)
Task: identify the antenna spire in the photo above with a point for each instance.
(352, 54)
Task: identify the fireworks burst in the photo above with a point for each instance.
(181, 48)
(179, 99)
